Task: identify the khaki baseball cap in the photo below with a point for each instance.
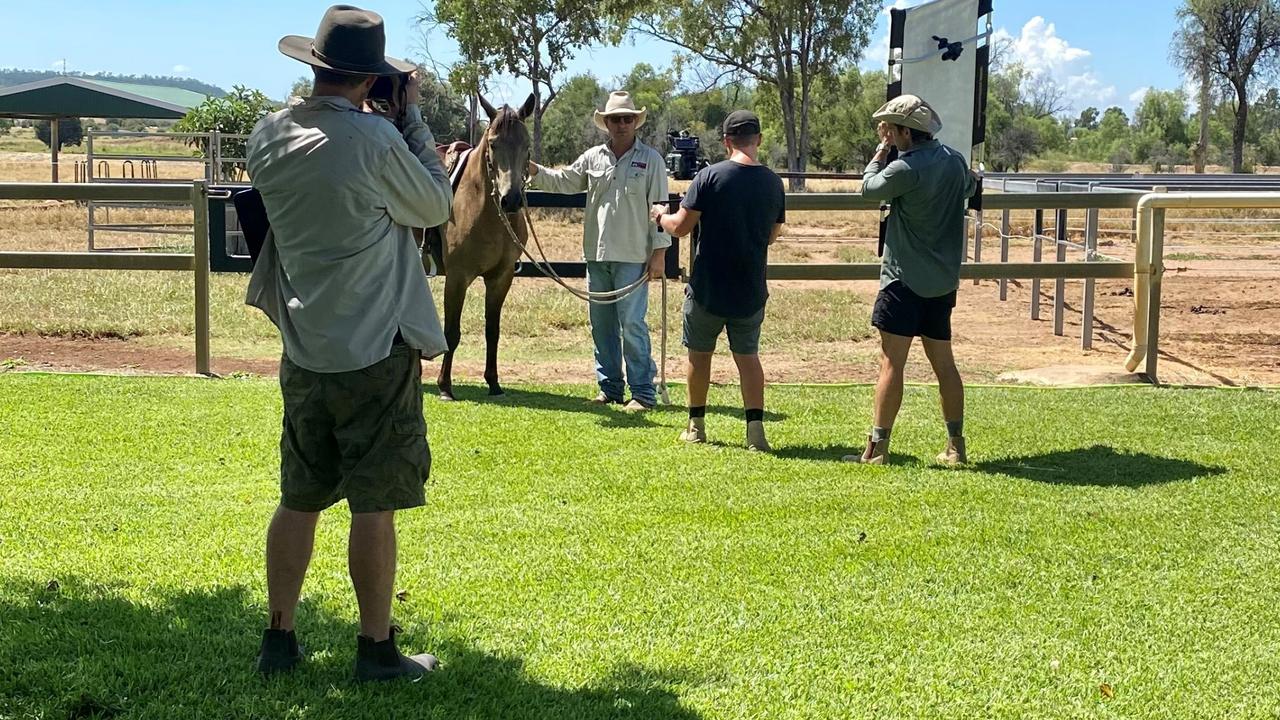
(911, 112)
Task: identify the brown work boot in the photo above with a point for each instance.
(954, 454)
(755, 437)
(876, 453)
(383, 660)
(696, 432)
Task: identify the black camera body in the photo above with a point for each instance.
(388, 91)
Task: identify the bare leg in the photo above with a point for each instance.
(371, 560)
(950, 385)
(893, 363)
(495, 293)
(699, 377)
(751, 376)
(290, 538)
(455, 294)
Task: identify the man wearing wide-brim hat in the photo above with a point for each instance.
(341, 277)
(621, 245)
(926, 187)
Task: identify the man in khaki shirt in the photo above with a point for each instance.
(621, 245)
(340, 276)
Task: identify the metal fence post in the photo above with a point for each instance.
(1036, 253)
(1086, 305)
(1059, 284)
(200, 224)
(977, 242)
(1004, 250)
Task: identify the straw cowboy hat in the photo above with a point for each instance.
(620, 103)
(911, 112)
(349, 40)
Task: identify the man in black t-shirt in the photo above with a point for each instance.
(741, 206)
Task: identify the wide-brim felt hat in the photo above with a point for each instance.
(619, 103)
(349, 40)
(910, 111)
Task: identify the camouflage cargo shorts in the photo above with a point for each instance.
(358, 435)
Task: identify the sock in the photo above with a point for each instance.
(698, 412)
(756, 414)
(879, 434)
(955, 428)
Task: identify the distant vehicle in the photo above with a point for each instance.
(684, 159)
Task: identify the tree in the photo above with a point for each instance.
(652, 90)
(444, 110)
(787, 46)
(1161, 125)
(5, 124)
(844, 138)
(1239, 42)
(568, 129)
(1088, 119)
(70, 132)
(301, 87)
(531, 39)
(235, 114)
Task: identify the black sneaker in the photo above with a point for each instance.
(383, 661)
(280, 652)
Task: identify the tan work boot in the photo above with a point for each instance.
(876, 453)
(954, 454)
(755, 437)
(696, 432)
(634, 405)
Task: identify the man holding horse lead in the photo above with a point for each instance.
(340, 276)
(622, 246)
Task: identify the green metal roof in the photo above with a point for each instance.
(82, 97)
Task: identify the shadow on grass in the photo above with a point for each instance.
(836, 453)
(609, 414)
(80, 650)
(1100, 466)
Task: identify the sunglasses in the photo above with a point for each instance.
(621, 119)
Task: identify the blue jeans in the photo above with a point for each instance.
(621, 333)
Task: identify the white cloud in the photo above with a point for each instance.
(1135, 97)
(181, 69)
(1043, 53)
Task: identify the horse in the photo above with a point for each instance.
(478, 241)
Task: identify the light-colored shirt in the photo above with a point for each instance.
(617, 226)
(340, 273)
(927, 187)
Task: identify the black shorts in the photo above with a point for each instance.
(898, 311)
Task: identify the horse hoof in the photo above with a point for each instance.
(447, 397)
(497, 392)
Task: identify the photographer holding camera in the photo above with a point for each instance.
(341, 277)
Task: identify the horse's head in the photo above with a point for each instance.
(508, 142)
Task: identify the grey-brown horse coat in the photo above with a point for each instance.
(477, 243)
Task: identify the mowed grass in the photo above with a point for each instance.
(1111, 553)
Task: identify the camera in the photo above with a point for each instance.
(388, 91)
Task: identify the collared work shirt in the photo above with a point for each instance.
(617, 226)
(927, 187)
(342, 274)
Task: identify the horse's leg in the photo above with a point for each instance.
(455, 294)
(495, 293)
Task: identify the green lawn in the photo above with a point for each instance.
(1112, 553)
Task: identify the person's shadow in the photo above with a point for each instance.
(607, 415)
(74, 650)
(1098, 465)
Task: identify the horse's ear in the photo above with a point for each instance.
(487, 107)
(527, 108)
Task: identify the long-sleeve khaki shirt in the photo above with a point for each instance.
(620, 190)
(341, 273)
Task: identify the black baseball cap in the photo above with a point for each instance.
(741, 122)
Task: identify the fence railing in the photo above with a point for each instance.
(1146, 271)
(195, 194)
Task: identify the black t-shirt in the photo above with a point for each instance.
(740, 204)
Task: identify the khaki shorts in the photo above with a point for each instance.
(358, 435)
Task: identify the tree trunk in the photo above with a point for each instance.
(538, 109)
(804, 128)
(787, 100)
(1202, 145)
(1237, 133)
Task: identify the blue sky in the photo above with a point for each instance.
(1102, 52)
